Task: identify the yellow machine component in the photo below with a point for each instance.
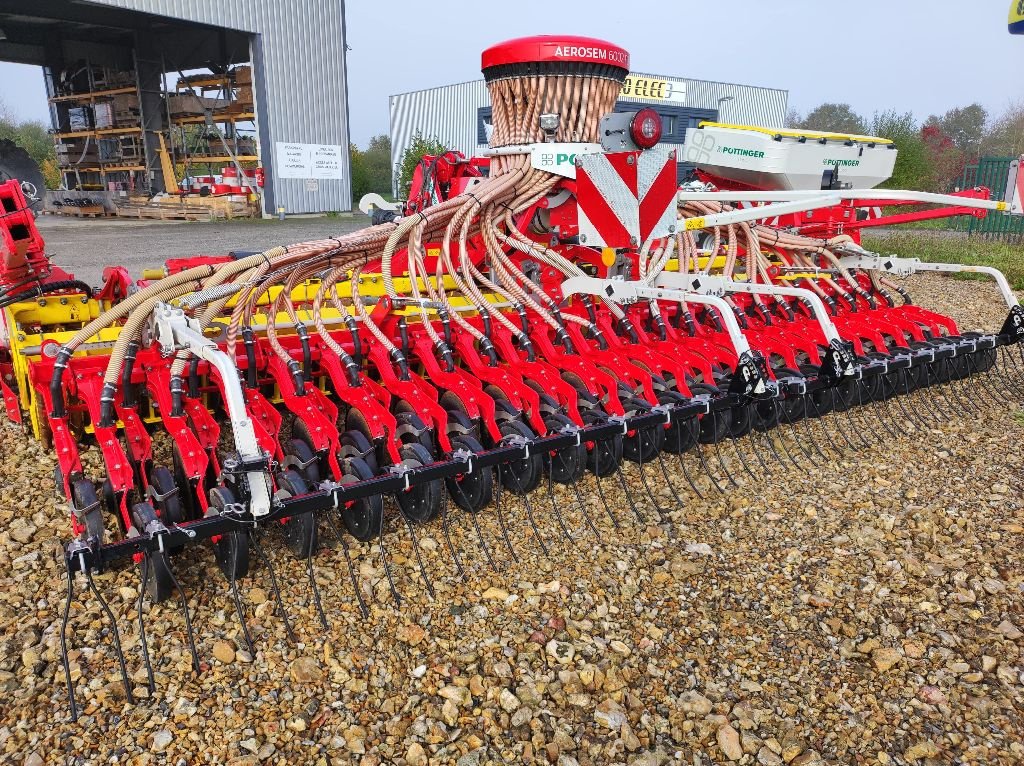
(800, 133)
(56, 320)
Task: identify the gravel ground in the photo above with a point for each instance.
(86, 245)
(867, 610)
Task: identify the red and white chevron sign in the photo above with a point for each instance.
(625, 198)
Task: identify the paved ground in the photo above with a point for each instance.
(85, 246)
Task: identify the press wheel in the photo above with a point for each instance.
(363, 517)
(231, 549)
(422, 502)
(300, 531)
(471, 491)
(155, 567)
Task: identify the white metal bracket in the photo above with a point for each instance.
(175, 331)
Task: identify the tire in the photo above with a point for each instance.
(523, 475)
(154, 567)
(169, 510)
(362, 518)
(471, 492)
(303, 453)
(568, 465)
(232, 549)
(422, 502)
(300, 532)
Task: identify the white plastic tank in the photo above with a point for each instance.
(780, 159)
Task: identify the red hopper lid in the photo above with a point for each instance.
(555, 48)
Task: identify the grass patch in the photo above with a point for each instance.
(974, 251)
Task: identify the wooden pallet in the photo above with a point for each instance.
(209, 209)
(88, 211)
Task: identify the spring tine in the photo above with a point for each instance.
(419, 558)
(529, 515)
(892, 416)
(689, 478)
(757, 445)
(707, 468)
(821, 424)
(316, 592)
(607, 508)
(783, 418)
(880, 409)
(333, 523)
(650, 494)
(554, 505)
(501, 523)
(273, 586)
(115, 633)
(742, 457)
(188, 619)
(387, 566)
(64, 646)
(150, 682)
(982, 379)
(583, 509)
(721, 461)
(910, 401)
(241, 616)
(579, 501)
(998, 373)
(796, 436)
(669, 483)
(479, 532)
(629, 495)
(445, 523)
(964, 389)
(809, 429)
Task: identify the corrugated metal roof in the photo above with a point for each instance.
(449, 113)
(298, 56)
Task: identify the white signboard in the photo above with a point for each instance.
(309, 160)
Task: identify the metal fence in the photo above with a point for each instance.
(991, 172)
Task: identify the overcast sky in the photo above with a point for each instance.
(919, 55)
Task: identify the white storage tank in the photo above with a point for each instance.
(785, 160)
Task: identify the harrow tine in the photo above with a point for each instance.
(241, 616)
(445, 522)
(721, 461)
(821, 424)
(533, 523)
(579, 501)
(960, 387)
(419, 557)
(743, 458)
(783, 416)
(855, 423)
(754, 434)
(889, 412)
(150, 681)
(115, 634)
(707, 468)
(809, 429)
(333, 523)
(583, 509)
(554, 505)
(64, 646)
(918, 420)
(689, 478)
(188, 619)
(650, 494)
(879, 412)
(254, 541)
(607, 508)
(316, 592)
(387, 566)
(501, 524)
(669, 483)
(629, 495)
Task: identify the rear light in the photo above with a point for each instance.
(645, 129)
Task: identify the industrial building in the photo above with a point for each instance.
(140, 90)
(459, 115)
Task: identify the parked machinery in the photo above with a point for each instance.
(541, 324)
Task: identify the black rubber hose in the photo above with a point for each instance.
(44, 289)
(193, 378)
(56, 389)
(297, 377)
(357, 345)
(107, 405)
(307, 357)
(250, 357)
(127, 389)
(177, 392)
(403, 366)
